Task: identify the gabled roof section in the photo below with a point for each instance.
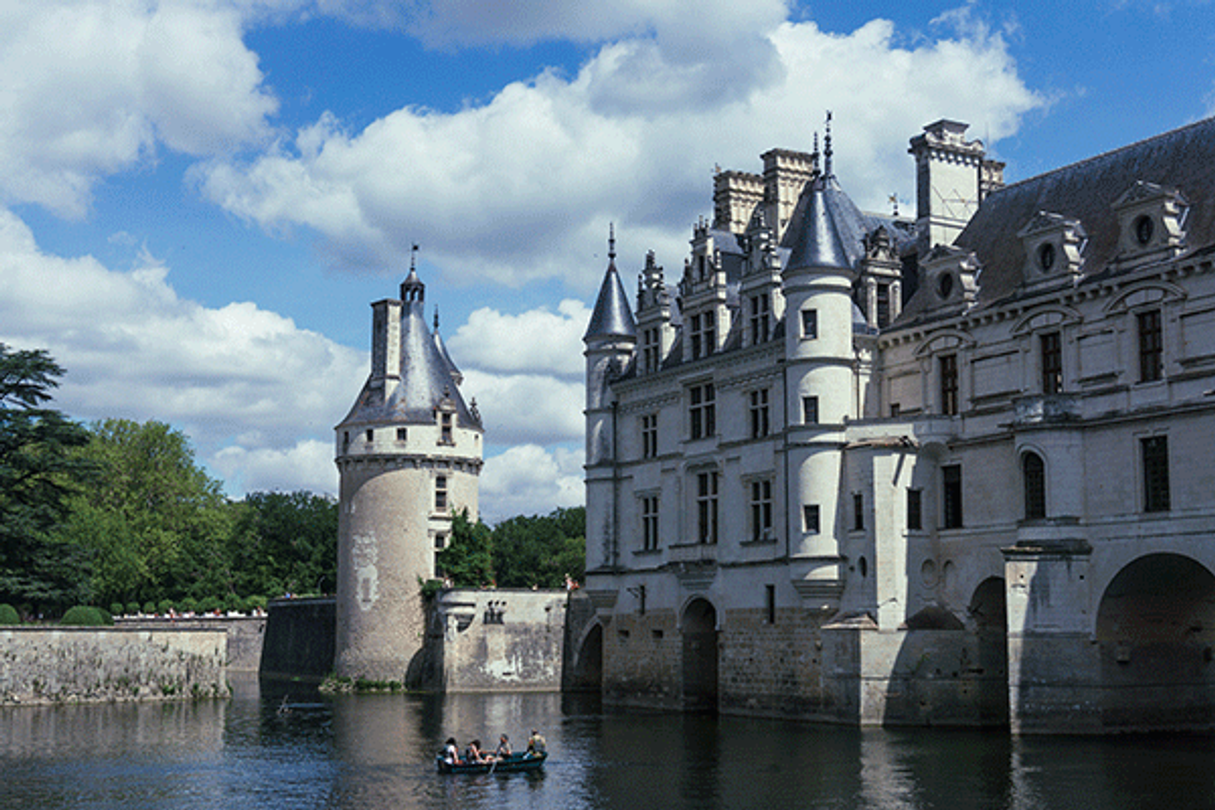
(612, 316)
(1183, 159)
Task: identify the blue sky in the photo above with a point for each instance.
(200, 198)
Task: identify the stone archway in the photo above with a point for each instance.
(1156, 635)
(989, 613)
(588, 666)
(699, 628)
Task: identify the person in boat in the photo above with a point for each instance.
(503, 749)
(535, 743)
(474, 753)
(451, 752)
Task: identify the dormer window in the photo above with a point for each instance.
(1152, 221)
(1144, 229)
(945, 285)
(1046, 257)
(445, 421)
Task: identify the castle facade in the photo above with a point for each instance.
(953, 469)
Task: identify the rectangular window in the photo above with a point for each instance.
(1151, 346)
(883, 305)
(810, 518)
(704, 335)
(441, 493)
(915, 507)
(649, 349)
(706, 507)
(649, 522)
(858, 511)
(810, 410)
(1155, 450)
(440, 542)
(445, 422)
(370, 435)
(702, 411)
(1052, 362)
(760, 425)
(770, 603)
(809, 324)
(894, 409)
(649, 435)
(402, 434)
(949, 384)
(951, 496)
(761, 509)
(760, 311)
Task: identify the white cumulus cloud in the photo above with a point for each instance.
(245, 384)
(530, 479)
(521, 187)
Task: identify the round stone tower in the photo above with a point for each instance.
(409, 457)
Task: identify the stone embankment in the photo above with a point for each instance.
(40, 665)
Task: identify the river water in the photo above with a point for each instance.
(278, 746)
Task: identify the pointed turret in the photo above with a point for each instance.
(612, 317)
(451, 365)
(610, 340)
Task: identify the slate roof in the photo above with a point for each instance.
(612, 316)
(828, 230)
(424, 385)
(1183, 159)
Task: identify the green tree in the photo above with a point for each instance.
(285, 542)
(159, 526)
(540, 550)
(38, 470)
(467, 561)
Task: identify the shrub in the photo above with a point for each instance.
(164, 606)
(231, 602)
(116, 608)
(189, 605)
(106, 616)
(132, 608)
(210, 603)
(85, 616)
(9, 615)
(149, 607)
(255, 602)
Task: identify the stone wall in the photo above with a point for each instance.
(300, 639)
(245, 634)
(494, 640)
(81, 664)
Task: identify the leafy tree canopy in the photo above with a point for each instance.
(37, 472)
(467, 560)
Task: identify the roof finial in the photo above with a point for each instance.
(436, 318)
(612, 241)
(814, 154)
(827, 147)
(413, 256)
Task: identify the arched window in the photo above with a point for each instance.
(1033, 477)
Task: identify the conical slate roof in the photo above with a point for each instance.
(612, 316)
(425, 382)
(827, 229)
(451, 365)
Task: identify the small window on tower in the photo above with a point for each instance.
(440, 493)
(445, 422)
(402, 434)
(370, 435)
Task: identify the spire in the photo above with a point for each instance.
(827, 153)
(455, 372)
(412, 288)
(612, 316)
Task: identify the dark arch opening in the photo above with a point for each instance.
(1155, 635)
(588, 669)
(700, 656)
(989, 612)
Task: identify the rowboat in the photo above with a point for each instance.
(526, 761)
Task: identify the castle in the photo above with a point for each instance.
(949, 470)
(409, 456)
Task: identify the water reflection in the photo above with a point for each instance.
(282, 746)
